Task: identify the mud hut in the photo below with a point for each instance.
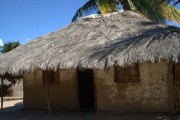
(116, 62)
(12, 88)
(6, 84)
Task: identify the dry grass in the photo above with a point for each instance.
(96, 41)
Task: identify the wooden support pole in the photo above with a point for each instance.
(47, 96)
(2, 84)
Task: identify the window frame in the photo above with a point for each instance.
(126, 71)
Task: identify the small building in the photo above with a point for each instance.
(6, 85)
(116, 62)
(12, 88)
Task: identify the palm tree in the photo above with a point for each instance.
(156, 10)
(9, 46)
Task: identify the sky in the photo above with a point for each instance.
(24, 20)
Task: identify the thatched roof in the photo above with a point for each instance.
(96, 41)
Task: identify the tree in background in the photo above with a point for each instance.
(156, 10)
(9, 46)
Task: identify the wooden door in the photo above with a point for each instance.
(177, 86)
(86, 89)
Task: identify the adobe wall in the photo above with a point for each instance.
(17, 89)
(62, 95)
(153, 93)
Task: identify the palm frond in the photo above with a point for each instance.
(87, 9)
(107, 6)
(171, 13)
(152, 9)
(141, 7)
(155, 10)
(176, 2)
(125, 4)
(99, 12)
(170, 1)
(132, 7)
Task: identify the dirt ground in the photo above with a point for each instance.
(13, 111)
(12, 105)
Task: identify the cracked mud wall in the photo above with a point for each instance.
(63, 94)
(153, 93)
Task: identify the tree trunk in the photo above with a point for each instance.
(47, 96)
(2, 95)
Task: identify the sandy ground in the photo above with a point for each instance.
(13, 111)
(12, 105)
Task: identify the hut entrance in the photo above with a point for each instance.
(86, 88)
(177, 87)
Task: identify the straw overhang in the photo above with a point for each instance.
(97, 41)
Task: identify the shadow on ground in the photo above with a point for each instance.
(87, 115)
(16, 112)
(17, 107)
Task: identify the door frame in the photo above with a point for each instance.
(176, 89)
(95, 92)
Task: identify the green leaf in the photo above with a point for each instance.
(87, 9)
(156, 10)
(107, 6)
(151, 9)
(171, 13)
(10, 46)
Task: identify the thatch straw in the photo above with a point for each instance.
(96, 41)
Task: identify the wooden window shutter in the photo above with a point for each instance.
(127, 74)
(133, 73)
(120, 74)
